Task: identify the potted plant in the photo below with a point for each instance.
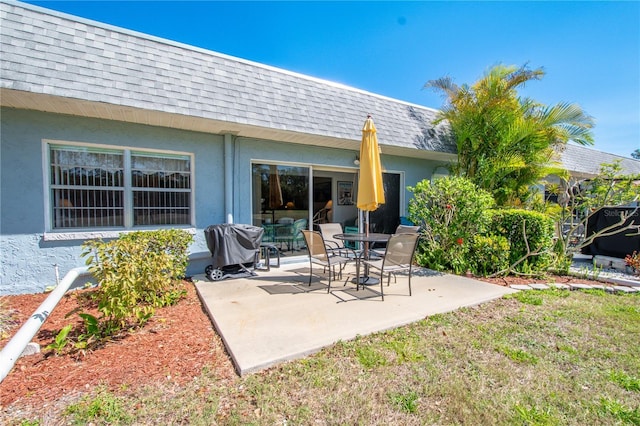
(633, 263)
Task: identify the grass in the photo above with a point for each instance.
(545, 358)
(7, 319)
(102, 406)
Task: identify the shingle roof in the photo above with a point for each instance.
(60, 63)
(49, 53)
(583, 161)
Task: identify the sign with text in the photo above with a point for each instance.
(620, 244)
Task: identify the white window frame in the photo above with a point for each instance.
(52, 234)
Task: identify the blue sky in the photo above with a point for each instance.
(589, 50)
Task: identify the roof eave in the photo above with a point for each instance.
(82, 108)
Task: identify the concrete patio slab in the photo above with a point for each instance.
(276, 316)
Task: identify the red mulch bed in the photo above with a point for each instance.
(559, 279)
(174, 346)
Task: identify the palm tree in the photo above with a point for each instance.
(507, 143)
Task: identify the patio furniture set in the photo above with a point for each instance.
(327, 248)
(235, 248)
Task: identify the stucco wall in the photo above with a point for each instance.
(26, 259)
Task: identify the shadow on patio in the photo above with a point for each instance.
(276, 316)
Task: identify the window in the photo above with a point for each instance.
(98, 188)
(161, 189)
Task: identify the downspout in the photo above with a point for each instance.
(12, 351)
(228, 177)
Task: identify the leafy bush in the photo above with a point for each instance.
(451, 211)
(461, 232)
(137, 273)
(530, 235)
(489, 254)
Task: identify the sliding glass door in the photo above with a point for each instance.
(281, 196)
(387, 217)
(280, 193)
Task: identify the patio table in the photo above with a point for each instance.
(366, 239)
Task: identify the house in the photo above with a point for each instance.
(105, 130)
(584, 163)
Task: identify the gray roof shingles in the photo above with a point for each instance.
(587, 161)
(52, 53)
(49, 52)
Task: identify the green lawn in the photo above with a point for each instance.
(536, 358)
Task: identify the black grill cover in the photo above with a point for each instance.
(233, 244)
(618, 245)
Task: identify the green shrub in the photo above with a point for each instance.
(451, 211)
(530, 235)
(137, 273)
(489, 254)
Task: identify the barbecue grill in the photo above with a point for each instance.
(233, 250)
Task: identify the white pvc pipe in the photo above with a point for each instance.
(12, 351)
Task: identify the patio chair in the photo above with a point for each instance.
(407, 229)
(336, 246)
(398, 257)
(290, 234)
(401, 229)
(319, 255)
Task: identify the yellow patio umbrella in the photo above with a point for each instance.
(370, 187)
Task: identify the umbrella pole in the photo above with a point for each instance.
(366, 244)
(366, 232)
